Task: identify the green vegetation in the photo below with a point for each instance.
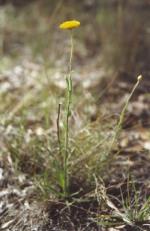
(56, 133)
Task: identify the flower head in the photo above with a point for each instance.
(68, 25)
(139, 78)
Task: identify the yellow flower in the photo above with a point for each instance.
(139, 78)
(68, 25)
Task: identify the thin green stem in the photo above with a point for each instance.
(71, 51)
(121, 118)
(58, 128)
(68, 112)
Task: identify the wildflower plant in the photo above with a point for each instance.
(63, 138)
(64, 148)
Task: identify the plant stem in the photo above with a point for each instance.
(121, 118)
(71, 52)
(122, 115)
(58, 128)
(118, 127)
(68, 106)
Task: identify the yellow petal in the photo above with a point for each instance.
(71, 24)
